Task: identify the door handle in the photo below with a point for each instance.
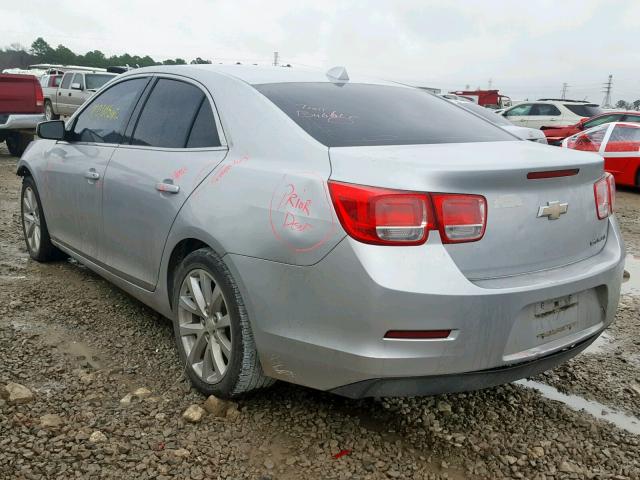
(91, 175)
(166, 187)
(69, 93)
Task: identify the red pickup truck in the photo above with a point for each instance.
(21, 109)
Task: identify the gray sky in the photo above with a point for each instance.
(528, 48)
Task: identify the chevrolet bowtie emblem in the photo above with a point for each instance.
(553, 210)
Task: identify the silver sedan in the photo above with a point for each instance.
(334, 231)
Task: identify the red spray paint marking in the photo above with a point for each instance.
(178, 173)
(342, 453)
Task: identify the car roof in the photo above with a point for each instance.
(259, 74)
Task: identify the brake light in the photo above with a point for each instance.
(39, 95)
(381, 216)
(461, 218)
(604, 191)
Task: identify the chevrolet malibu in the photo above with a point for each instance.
(333, 231)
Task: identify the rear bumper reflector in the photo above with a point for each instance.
(417, 334)
(553, 174)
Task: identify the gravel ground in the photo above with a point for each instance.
(80, 346)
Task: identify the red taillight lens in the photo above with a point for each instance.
(381, 216)
(604, 191)
(461, 218)
(39, 95)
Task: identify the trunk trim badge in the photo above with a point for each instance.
(553, 210)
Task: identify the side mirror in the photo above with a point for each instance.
(580, 125)
(76, 86)
(52, 130)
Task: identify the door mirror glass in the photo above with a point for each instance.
(76, 86)
(53, 130)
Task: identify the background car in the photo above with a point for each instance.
(341, 241)
(73, 90)
(525, 133)
(556, 135)
(21, 109)
(50, 84)
(618, 143)
(550, 112)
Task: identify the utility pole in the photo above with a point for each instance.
(275, 59)
(490, 83)
(565, 87)
(606, 103)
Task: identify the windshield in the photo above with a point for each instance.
(585, 109)
(345, 115)
(95, 80)
(486, 113)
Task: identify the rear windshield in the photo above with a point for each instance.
(584, 110)
(347, 115)
(95, 80)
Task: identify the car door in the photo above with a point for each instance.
(72, 180)
(62, 95)
(518, 115)
(622, 152)
(174, 144)
(544, 115)
(76, 95)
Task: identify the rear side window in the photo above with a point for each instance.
(66, 80)
(105, 118)
(544, 110)
(96, 80)
(584, 110)
(204, 132)
(632, 118)
(168, 115)
(344, 115)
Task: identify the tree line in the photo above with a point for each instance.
(624, 105)
(18, 56)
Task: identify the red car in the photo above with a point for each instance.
(618, 143)
(556, 135)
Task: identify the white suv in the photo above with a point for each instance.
(549, 112)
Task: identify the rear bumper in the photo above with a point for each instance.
(323, 326)
(21, 121)
(463, 382)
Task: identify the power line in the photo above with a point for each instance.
(606, 103)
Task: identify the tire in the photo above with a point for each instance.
(17, 143)
(48, 111)
(30, 206)
(222, 334)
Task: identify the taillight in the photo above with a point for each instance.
(381, 216)
(604, 191)
(461, 218)
(39, 95)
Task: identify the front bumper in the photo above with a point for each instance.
(21, 121)
(323, 326)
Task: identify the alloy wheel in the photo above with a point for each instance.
(205, 326)
(31, 219)
(48, 111)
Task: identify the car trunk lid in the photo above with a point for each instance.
(516, 240)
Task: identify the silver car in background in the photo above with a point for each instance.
(343, 233)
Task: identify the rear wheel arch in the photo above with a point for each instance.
(180, 251)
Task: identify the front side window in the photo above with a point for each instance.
(601, 120)
(584, 109)
(519, 111)
(632, 118)
(356, 114)
(544, 110)
(79, 79)
(55, 80)
(105, 118)
(66, 80)
(97, 80)
(168, 114)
